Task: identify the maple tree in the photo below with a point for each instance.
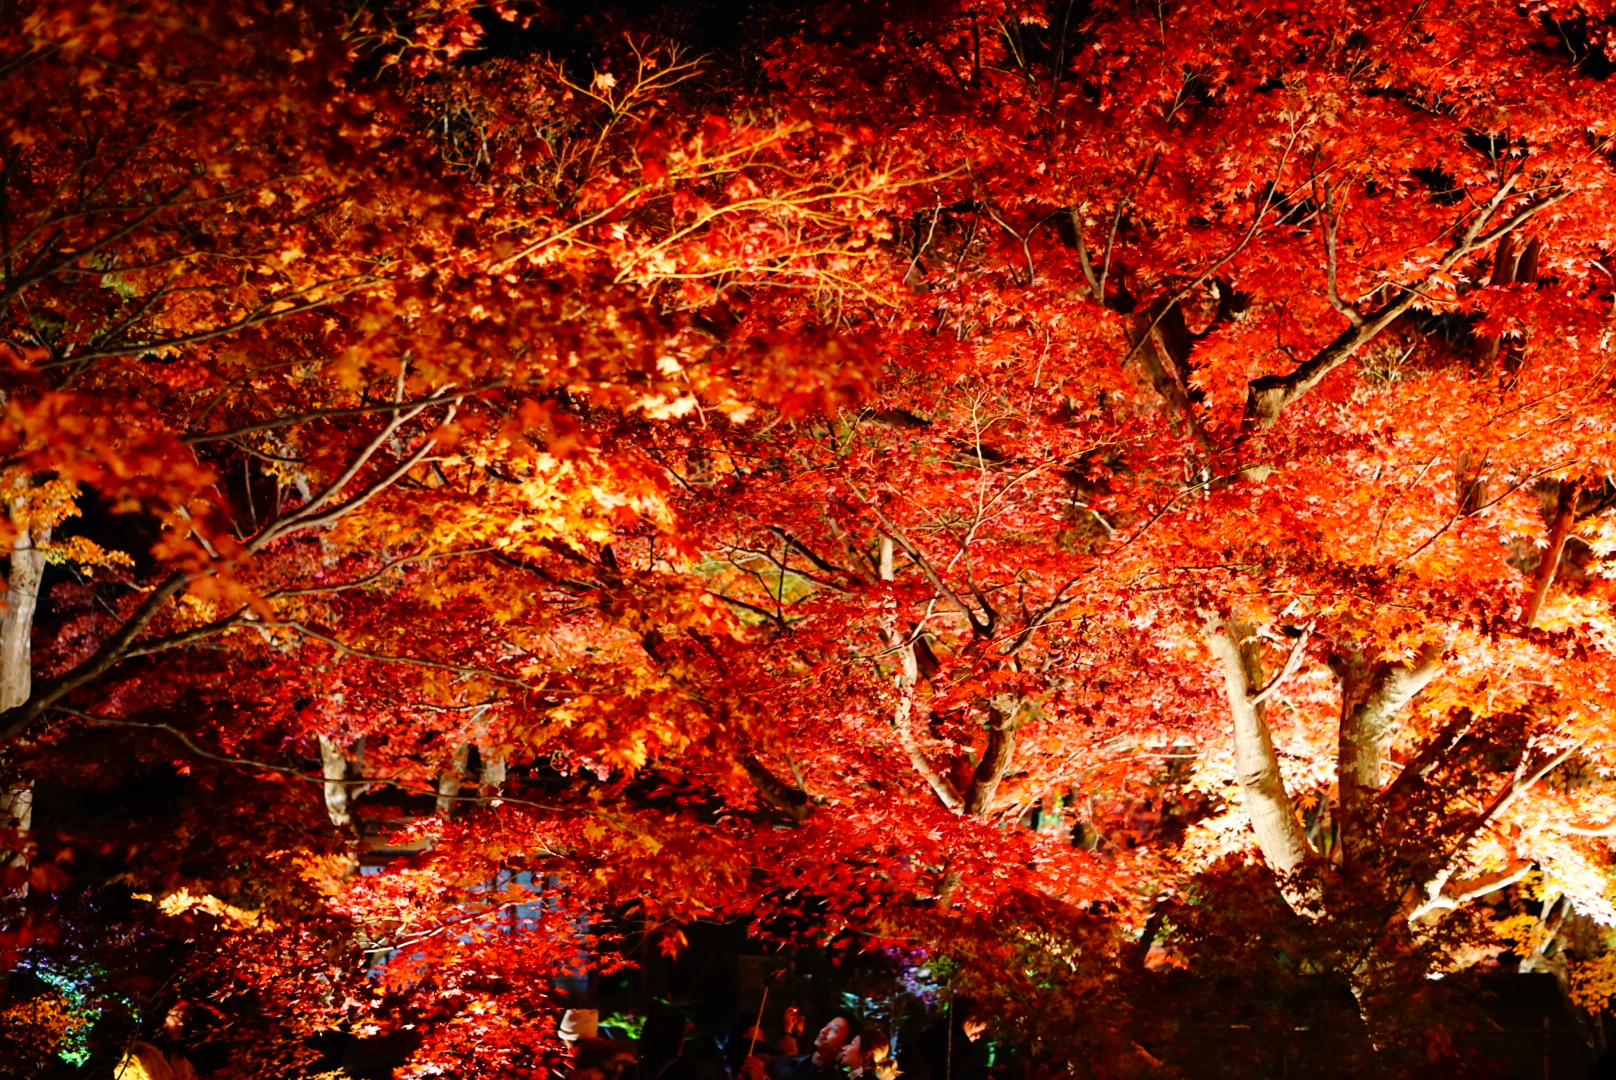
(1115, 497)
(375, 321)
(1234, 232)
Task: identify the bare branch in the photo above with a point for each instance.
(1330, 222)
(981, 627)
(47, 692)
(309, 632)
(1564, 512)
(442, 397)
(1268, 396)
(1293, 663)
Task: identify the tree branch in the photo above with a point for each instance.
(905, 681)
(1371, 698)
(47, 692)
(413, 405)
(980, 626)
(997, 757)
(1293, 662)
(793, 801)
(1565, 508)
(1330, 222)
(1473, 889)
(1269, 395)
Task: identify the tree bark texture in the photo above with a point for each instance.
(1565, 512)
(491, 774)
(906, 681)
(16, 658)
(1371, 697)
(997, 757)
(1279, 832)
(334, 767)
(451, 778)
(16, 627)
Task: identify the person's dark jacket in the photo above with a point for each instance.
(803, 1067)
(662, 1043)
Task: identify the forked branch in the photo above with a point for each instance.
(1279, 832)
(1268, 396)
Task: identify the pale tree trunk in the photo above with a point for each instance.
(1371, 697)
(1279, 832)
(906, 681)
(16, 628)
(491, 775)
(903, 718)
(451, 778)
(16, 659)
(997, 757)
(334, 767)
(491, 769)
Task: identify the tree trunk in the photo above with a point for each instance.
(906, 681)
(1163, 342)
(16, 628)
(1504, 260)
(1565, 512)
(450, 779)
(996, 758)
(334, 767)
(491, 774)
(1371, 697)
(1279, 832)
(16, 660)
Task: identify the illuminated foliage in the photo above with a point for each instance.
(1120, 497)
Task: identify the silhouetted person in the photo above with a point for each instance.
(739, 1039)
(947, 1048)
(662, 1045)
(161, 1057)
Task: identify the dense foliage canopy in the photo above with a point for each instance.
(1117, 496)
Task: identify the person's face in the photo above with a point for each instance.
(852, 1054)
(793, 1021)
(831, 1038)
